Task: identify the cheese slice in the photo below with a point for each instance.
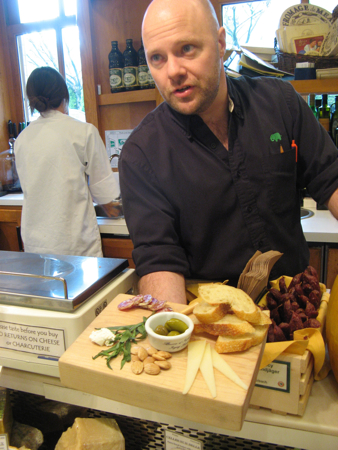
(220, 364)
(92, 434)
(207, 369)
(195, 354)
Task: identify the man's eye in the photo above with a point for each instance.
(187, 48)
(156, 58)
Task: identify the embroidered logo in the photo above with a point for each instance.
(275, 137)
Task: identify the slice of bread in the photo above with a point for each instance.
(229, 325)
(206, 313)
(240, 303)
(230, 344)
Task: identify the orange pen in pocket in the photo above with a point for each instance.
(294, 145)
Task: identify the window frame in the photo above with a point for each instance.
(14, 29)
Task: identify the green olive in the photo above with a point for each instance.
(174, 333)
(161, 329)
(176, 325)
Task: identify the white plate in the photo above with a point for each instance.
(304, 14)
(329, 46)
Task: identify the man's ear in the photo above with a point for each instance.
(221, 42)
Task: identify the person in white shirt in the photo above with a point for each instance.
(63, 167)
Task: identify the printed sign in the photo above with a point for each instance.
(114, 143)
(30, 339)
(176, 441)
(276, 376)
(3, 442)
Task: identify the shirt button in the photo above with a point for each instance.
(249, 209)
(213, 145)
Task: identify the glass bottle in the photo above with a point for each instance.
(324, 113)
(130, 66)
(334, 119)
(312, 105)
(116, 68)
(151, 82)
(142, 69)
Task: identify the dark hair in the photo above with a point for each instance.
(46, 89)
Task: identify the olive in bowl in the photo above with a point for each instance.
(172, 342)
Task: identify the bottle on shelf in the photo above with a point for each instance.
(324, 113)
(334, 119)
(151, 82)
(312, 104)
(130, 67)
(142, 69)
(116, 68)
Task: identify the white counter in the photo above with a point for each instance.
(317, 429)
(321, 227)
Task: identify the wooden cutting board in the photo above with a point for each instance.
(161, 393)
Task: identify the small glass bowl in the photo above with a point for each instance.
(168, 343)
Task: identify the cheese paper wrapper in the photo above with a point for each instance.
(310, 339)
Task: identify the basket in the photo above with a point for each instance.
(287, 61)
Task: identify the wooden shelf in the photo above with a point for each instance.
(144, 95)
(321, 86)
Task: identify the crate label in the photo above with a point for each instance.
(276, 376)
(3, 442)
(31, 339)
(176, 441)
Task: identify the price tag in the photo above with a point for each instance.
(175, 441)
(4, 442)
(276, 376)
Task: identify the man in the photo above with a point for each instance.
(214, 173)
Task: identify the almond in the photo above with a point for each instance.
(151, 350)
(135, 358)
(137, 367)
(142, 353)
(148, 360)
(165, 365)
(152, 369)
(165, 355)
(134, 349)
(158, 357)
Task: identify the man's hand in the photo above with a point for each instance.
(332, 204)
(113, 209)
(168, 286)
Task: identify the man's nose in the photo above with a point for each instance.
(175, 67)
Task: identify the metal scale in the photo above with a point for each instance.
(46, 301)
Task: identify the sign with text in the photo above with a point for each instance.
(276, 376)
(176, 441)
(30, 339)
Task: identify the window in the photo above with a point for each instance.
(254, 23)
(46, 34)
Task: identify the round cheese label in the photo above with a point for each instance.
(329, 46)
(304, 14)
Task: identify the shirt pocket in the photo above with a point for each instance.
(281, 175)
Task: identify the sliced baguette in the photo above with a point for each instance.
(206, 313)
(240, 303)
(229, 325)
(230, 344)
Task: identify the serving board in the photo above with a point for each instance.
(161, 393)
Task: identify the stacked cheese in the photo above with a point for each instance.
(230, 314)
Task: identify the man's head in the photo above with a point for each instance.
(185, 47)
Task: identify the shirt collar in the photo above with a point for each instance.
(188, 121)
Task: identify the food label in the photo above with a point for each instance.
(176, 441)
(30, 339)
(276, 376)
(143, 76)
(3, 442)
(130, 76)
(116, 78)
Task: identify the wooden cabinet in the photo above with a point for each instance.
(113, 247)
(10, 222)
(317, 259)
(332, 265)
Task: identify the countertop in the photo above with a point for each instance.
(321, 227)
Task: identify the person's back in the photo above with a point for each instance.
(57, 157)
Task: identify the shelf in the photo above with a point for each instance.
(320, 86)
(145, 95)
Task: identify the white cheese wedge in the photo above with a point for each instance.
(195, 354)
(102, 336)
(207, 369)
(221, 365)
(92, 434)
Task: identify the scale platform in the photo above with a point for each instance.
(46, 301)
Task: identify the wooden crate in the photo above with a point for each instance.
(284, 386)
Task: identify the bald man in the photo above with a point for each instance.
(211, 175)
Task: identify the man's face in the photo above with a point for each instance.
(184, 58)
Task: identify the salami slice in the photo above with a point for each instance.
(130, 303)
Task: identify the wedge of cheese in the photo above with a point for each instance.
(92, 434)
(207, 369)
(195, 355)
